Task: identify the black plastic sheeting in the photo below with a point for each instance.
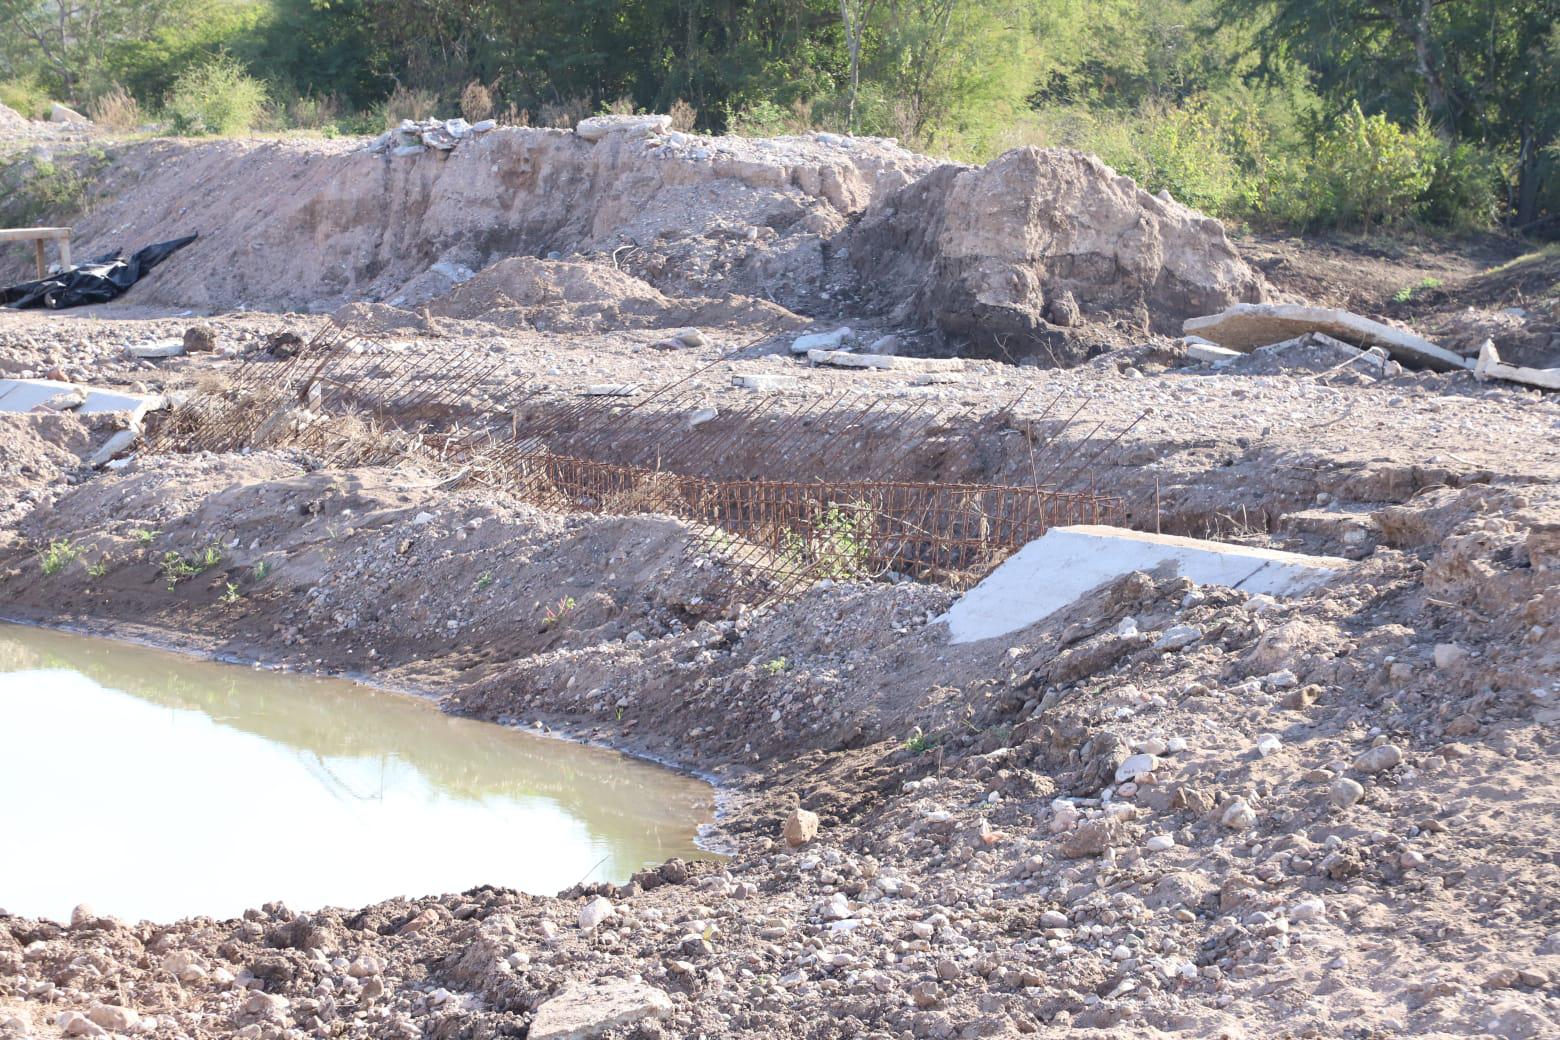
(96, 281)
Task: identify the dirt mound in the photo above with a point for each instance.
(1009, 255)
(314, 225)
(559, 295)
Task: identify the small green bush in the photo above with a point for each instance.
(26, 97)
(215, 96)
(1370, 171)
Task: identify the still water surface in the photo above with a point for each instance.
(153, 785)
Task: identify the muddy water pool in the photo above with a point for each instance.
(153, 785)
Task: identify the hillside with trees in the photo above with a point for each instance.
(1293, 113)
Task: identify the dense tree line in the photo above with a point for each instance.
(1297, 111)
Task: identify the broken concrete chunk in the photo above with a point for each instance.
(762, 381)
(161, 349)
(120, 442)
(597, 127)
(612, 390)
(821, 341)
(1209, 353)
(585, 1011)
(846, 359)
(700, 416)
(1248, 325)
(932, 378)
(1490, 366)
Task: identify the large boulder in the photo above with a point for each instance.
(1007, 255)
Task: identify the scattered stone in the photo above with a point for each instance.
(114, 1019)
(800, 827)
(1054, 919)
(199, 339)
(584, 1011)
(1136, 764)
(1379, 759)
(1093, 837)
(1238, 816)
(1449, 655)
(1177, 637)
(1344, 792)
(593, 913)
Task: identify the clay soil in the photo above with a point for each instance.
(1346, 828)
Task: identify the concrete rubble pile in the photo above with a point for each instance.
(415, 136)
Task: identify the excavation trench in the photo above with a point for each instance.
(226, 787)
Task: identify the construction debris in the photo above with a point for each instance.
(415, 136)
(161, 349)
(847, 359)
(26, 395)
(1490, 366)
(1067, 562)
(1249, 325)
(821, 341)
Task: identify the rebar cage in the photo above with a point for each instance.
(357, 401)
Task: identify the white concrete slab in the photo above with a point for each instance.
(1054, 570)
(23, 395)
(1490, 366)
(848, 359)
(1249, 325)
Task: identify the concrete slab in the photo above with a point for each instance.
(23, 395)
(1054, 570)
(1490, 366)
(1249, 325)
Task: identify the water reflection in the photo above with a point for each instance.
(153, 785)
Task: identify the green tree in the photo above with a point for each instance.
(1484, 71)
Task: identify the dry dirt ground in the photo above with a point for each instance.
(1345, 825)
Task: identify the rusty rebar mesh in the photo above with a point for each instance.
(731, 476)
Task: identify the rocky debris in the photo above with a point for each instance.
(1245, 326)
(414, 136)
(589, 1010)
(979, 253)
(1490, 366)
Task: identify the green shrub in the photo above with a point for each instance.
(1367, 170)
(1465, 188)
(26, 97)
(215, 96)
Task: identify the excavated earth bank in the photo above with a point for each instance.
(1343, 825)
